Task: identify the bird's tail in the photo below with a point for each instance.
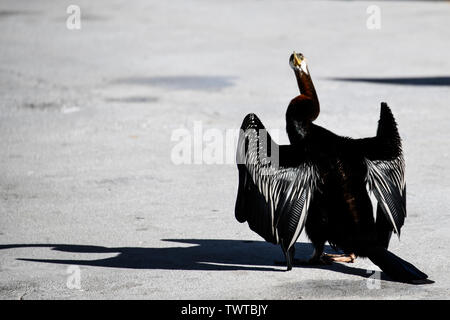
(395, 267)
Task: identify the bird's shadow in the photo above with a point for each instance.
(411, 81)
(195, 254)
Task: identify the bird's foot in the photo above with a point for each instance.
(347, 258)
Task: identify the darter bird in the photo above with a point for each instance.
(321, 182)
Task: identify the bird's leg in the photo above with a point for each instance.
(316, 258)
(289, 255)
(347, 258)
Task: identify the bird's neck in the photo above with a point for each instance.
(307, 89)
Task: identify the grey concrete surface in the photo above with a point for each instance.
(87, 181)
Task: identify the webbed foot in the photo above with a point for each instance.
(346, 258)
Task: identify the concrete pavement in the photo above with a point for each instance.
(92, 205)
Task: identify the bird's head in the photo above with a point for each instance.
(297, 61)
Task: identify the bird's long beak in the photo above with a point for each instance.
(297, 60)
(298, 63)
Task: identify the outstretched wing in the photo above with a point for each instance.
(272, 198)
(386, 179)
(386, 170)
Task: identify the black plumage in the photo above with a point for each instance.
(319, 182)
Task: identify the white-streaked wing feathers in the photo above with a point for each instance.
(286, 192)
(386, 179)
